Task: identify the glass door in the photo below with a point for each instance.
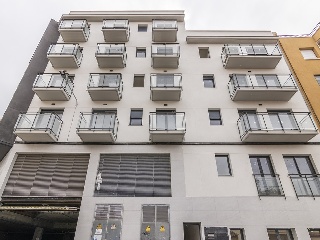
(166, 119)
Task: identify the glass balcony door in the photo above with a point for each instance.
(240, 80)
(165, 80)
(47, 119)
(249, 120)
(267, 80)
(283, 120)
(166, 120)
(102, 120)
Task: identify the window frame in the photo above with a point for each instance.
(141, 50)
(136, 118)
(136, 77)
(203, 54)
(142, 27)
(205, 79)
(317, 78)
(289, 232)
(305, 57)
(242, 234)
(228, 165)
(215, 119)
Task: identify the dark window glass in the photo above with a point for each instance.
(223, 165)
(136, 117)
(138, 81)
(142, 28)
(208, 81)
(237, 234)
(280, 234)
(141, 53)
(215, 117)
(299, 165)
(261, 165)
(314, 233)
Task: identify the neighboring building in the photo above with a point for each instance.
(140, 129)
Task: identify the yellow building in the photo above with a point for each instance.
(303, 56)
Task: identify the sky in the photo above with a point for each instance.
(22, 23)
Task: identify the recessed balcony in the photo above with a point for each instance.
(165, 87)
(164, 30)
(98, 127)
(74, 30)
(276, 127)
(38, 127)
(268, 185)
(116, 30)
(265, 87)
(111, 55)
(250, 56)
(105, 87)
(165, 55)
(53, 87)
(167, 126)
(65, 55)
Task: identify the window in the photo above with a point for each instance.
(166, 119)
(138, 81)
(204, 52)
(282, 119)
(314, 233)
(223, 165)
(142, 28)
(48, 119)
(134, 175)
(237, 234)
(308, 54)
(215, 233)
(299, 165)
(155, 222)
(215, 117)
(317, 77)
(141, 52)
(208, 81)
(136, 117)
(103, 119)
(280, 234)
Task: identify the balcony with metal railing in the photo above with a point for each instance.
(165, 87)
(111, 55)
(262, 87)
(276, 127)
(74, 30)
(167, 126)
(53, 87)
(105, 87)
(164, 30)
(165, 55)
(252, 56)
(268, 185)
(306, 185)
(116, 30)
(98, 127)
(65, 55)
(38, 127)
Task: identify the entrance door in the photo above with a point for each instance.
(191, 231)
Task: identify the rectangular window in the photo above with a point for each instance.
(204, 52)
(308, 54)
(215, 117)
(317, 77)
(237, 233)
(155, 222)
(208, 81)
(215, 233)
(141, 52)
(280, 234)
(136, 117)
(138, 81)
(134, 175)
(142, 28)
(314, 233)
(223, 165)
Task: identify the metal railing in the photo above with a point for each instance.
(48, 122)
(66, 49)
(260, 81)
(165, 80)
(108, 80)
(111, 49)
(165, 50)
(76, 24)
(306, 184)
(54, 81)
(268, 185)
(115, 24)
(167, 121)
(100, 121)
(275, 121)
(164, 24)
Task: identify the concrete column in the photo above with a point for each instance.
(37, 233)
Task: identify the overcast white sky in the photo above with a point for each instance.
(22, 23)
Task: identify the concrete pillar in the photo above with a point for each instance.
(37, 233)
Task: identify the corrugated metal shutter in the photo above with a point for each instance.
(135, 175)
(44, 175)
(216, 233)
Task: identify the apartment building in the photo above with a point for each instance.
(141, 129)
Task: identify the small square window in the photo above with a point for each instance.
(314, 233)
(204, 52)
(215, 117)
(136, 117)
(223, 165)
(317, 77)
(285, 234)
(208, 81)
(308, 54)
(141, 53)
(237, 233)
(142, 28)
(138, 81)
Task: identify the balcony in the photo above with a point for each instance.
(53, 87)
(165, 87)
(268, 185)
(116, 30)
(167, 126)
(65, 55)
(74, 30)
(105, 87)
(261, 87)
(98, 127)
(164, 31)
(250, 56)
(276, 127)
(165, 55)
(306, 185)
(38, 127)
(111, 55)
